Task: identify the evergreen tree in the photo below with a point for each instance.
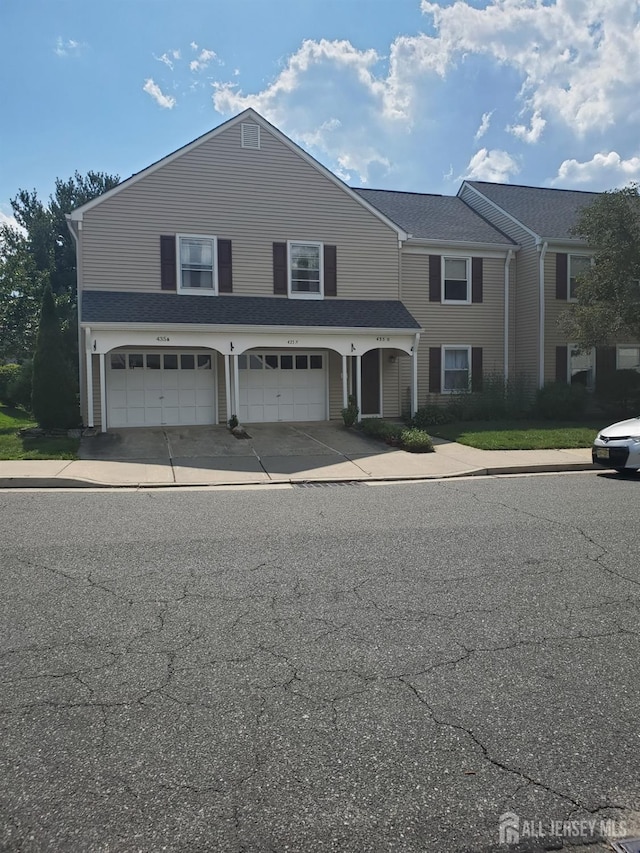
(53, 398)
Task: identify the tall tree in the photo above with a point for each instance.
(40, 251)
(54, 394)
(608, 295)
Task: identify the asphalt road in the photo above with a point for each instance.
(340, 668)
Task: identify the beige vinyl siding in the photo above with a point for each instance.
(523, 359)
(391, 402)
(95, 363)
(253, 198)
(526, 314)
(476, 325)
(335, 385)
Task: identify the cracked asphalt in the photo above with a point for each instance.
(348, 668)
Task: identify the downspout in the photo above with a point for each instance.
(507, 262)
(543, 252)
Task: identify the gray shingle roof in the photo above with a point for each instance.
(103, 306)
(434, 217)
(546, 212)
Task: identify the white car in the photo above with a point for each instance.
(618, 446)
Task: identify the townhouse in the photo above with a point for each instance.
(238, 276)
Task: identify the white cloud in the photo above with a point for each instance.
(531, 133)
(605, 170)
(577, 58)
(168, 57)
(484, 125)
(10, 220)
(166, 101)
(491, 165)
(204, 58)
(67, 47)
(193, 46)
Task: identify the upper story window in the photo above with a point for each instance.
(456, 280)
(578, 265)
(306, 270)
(197, 264)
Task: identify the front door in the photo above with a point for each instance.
(371, 383)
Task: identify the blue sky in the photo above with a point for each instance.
(398, 94)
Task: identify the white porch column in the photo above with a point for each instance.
(414, 380)
(236, 387)
(89, 381)
(227, 386)
(345, 390)
(103, 394)
(359, 384)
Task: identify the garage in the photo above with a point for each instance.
(287, 386)
(159, 388)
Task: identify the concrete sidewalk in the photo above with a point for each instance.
(322, 463)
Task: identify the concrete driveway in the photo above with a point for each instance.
(274, 452)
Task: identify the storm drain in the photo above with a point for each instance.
(629, 845)
(326, 485)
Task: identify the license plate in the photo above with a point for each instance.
(602, 452)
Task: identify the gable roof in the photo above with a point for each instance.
(248, 114)
(548, 213)
(435, 217)
(106, 306)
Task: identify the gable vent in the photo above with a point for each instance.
(250, 135)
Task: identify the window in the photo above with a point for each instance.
(197, 264)
(306, 270)
(582, 367)
(628, 358)
(578, 265)
(455, 280)
(456, 369)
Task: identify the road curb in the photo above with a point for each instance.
(501, 470)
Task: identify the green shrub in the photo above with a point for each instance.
(618, 392)
(416, 440)
(233, 422)
(384, 430)
(8, 373)
(430, 415)
(19, 388)
(54, 399)
(560, 401)
(498, 400)
(351, 412)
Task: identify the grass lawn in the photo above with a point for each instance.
(14, 446)
(520, 435)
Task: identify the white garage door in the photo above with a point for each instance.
(160, 388)
(288, 386)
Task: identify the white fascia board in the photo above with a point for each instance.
(562, 244)
(501, 210)
(418, 246)
(243, 116)
(227, 329)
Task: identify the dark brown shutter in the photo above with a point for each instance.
(562, 284)
(330, 271)
(605, 364)
(476, 368)
(435, 283)
(476, 279)
(561, 364)
(435, 363)
(225, 276)
(168, 263)
(280, 268)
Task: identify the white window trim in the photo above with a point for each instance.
(623, 346)
(292, 294)
(197, 291)
(593, 364)
(571, 298)
(443, 349)
(467, 260)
